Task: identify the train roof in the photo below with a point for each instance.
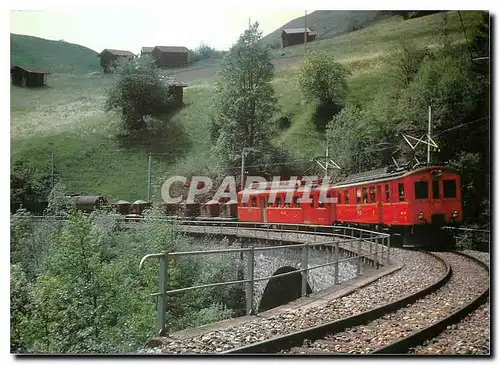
(385, 174)
(298, 189)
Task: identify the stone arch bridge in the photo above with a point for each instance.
(270, 260)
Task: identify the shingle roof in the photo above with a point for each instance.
(172, 82)
(31, 70)
(298, 30)
(117, 52)
(147, 49)
(172, 49)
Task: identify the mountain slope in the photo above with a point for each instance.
(54, 56)
(328, 23)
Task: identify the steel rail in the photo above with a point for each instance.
(418, 337)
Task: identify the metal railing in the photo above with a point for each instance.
(369, 245)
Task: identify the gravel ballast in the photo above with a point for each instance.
(419, 271)
(467, 282)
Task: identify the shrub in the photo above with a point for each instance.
(323, 79)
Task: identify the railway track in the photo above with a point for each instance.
(397, 326)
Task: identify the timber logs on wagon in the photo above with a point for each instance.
(139, 206)
(122, 207)
(171, 208)
(210, 209)
(229, 209)
(189, 210)
(88, 203)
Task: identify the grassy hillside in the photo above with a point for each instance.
(68, 118)
(55, 56)
(328, 23)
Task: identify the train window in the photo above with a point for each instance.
(254, 202)
(358, 196)
(321, 204)
(365, 195)
(449, 189)
(435, 189)
(296, 202)
(401, 189)
(421, 189)
(312, 202)
(387, 196)
(278, 202)
(346, 197)
(372, 194)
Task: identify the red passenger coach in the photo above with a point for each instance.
(261, 207)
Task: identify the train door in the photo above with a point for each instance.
(379, 203)
(436, 201)
(263, 205)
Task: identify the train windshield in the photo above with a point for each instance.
(449, 188)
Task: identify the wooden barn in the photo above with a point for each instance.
(293, 36)
(22, 76)
(146, 50)
(170, 57)
(109, 57)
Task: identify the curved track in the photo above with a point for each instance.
(396, 326)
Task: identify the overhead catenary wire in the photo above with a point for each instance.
(465, 34)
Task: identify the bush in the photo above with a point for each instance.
(139, 91)
(404, 61)
(284, 122)
(203, 52)
(350, 140)
(29, 186)
(322, 79)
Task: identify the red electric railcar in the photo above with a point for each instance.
(413, 203)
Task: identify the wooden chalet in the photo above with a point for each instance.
(170, 57)
(109, 58)
(294, 36)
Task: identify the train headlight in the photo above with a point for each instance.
(420, 216)
(454, 214)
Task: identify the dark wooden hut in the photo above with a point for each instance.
(170, 57)
(109, 58)
(22, 76)
(293, 36)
